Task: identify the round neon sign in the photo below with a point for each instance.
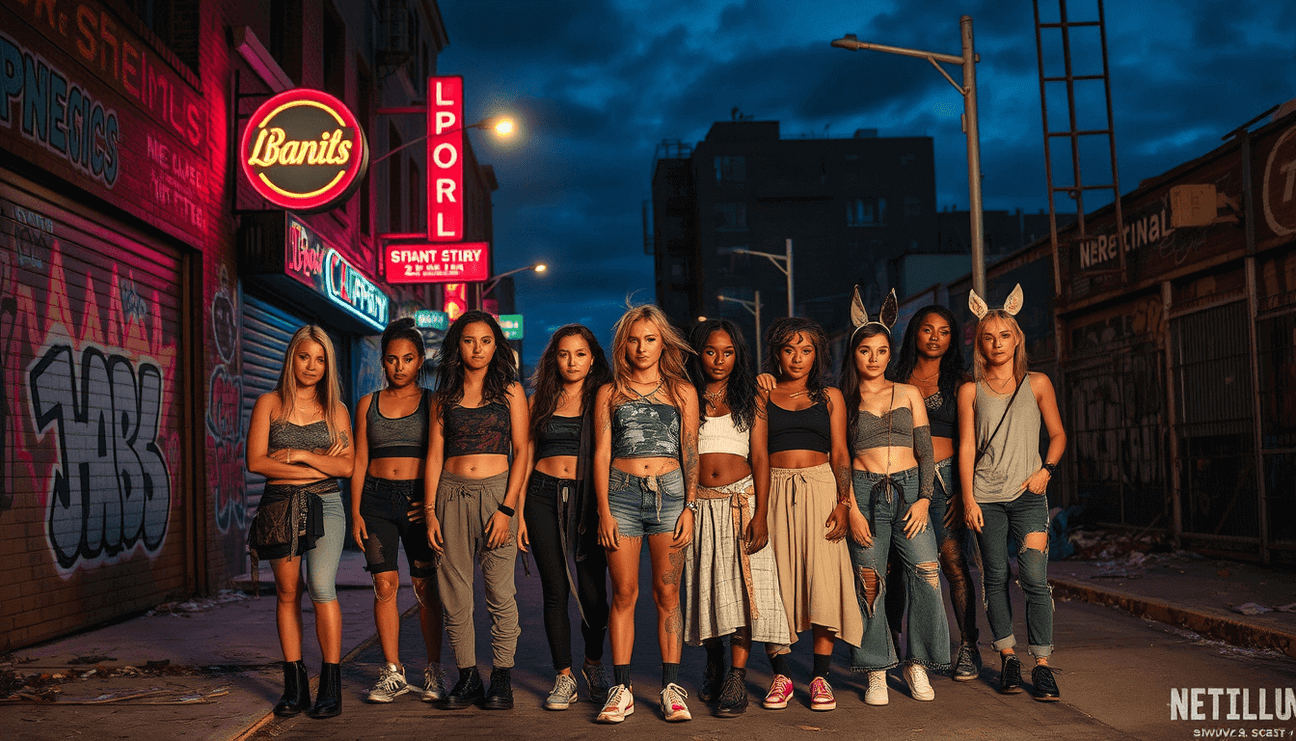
(303, 150)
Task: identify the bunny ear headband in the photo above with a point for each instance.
(886, 317)
(1011, 306)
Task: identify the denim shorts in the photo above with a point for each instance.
(645, 505)
(385, 506)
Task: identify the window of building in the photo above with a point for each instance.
(731, 217)
(912, 206)
(730, 170)
(870, 211)
(364, 92)
(175, 22)
(285, 36)
(417, 205)
(334, 49)
(394, 222)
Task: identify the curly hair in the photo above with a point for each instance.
(783, 333)
(953, 367)
(404, 329)
(548, 383)
(848, 380)
(450, 372)
(671, 363)
(741, 386)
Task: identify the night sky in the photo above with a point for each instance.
(597, 84)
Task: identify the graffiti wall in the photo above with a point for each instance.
(90, 496)
(225, 428)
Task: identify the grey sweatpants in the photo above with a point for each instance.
(464, 506)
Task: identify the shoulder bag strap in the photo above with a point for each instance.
(1011, 399)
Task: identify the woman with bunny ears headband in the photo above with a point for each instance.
(893, 472)
(1005, 484)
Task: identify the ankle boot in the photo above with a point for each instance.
(296, 696)
(500, 695)
(328, 702)
(467, 691)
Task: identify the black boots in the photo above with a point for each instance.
(500, 696)
(466, 691)
(328, 702)
(296, 696)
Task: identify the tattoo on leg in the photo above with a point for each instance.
(676, 559)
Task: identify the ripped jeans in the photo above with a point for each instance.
(928, 635)
(1018, 518)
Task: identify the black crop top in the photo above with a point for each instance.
(807, 429)
(397, 437)
(477, 430)
(559, 436)
(942, 413)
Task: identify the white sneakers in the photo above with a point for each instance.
(620, 703)
(916, 677)
(673, 707)
(876, 694)
(391, 684)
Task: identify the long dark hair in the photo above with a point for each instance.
(781, 334)
(404, 329)
(450, 373)
(741, 386)
(953, 366)
(548, 382)
(848, 380)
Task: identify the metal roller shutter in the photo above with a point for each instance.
(266, 332)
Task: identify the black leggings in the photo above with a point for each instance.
(541, 514)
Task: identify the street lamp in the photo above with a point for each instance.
(754, 307)
(786, 267)
(490, 284)
(968, 62)
(503, 126)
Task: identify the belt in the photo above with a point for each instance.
(738, 494)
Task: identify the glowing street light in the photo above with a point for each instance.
(490, 284)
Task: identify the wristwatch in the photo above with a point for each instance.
(693, 506)
(1051, 468)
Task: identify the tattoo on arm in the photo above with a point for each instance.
(843, 476)
(690, 465)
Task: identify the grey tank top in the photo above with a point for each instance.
(1013, 455)
(641, 429)
(284, 434)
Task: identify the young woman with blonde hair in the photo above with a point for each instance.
(646, 478)
(1005, 484)
(299, 438)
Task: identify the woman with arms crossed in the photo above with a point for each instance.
(645, 477)
(470, 491)
(391, 449)
(1005, 484)
(561, 515)
(299, 438)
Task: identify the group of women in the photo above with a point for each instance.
(770, 505)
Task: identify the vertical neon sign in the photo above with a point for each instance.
(445, 145)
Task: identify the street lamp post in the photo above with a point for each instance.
(968, 90)
(783, 263)
(754, 307)
(490, 284)
(502, 126)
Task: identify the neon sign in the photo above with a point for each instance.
(512, 325)
(437, 263)
(347, 287)
(445, 143)
(303, 150)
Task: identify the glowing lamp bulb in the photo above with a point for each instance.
(541, 268)
(504, 127)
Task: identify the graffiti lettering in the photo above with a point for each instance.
(225, 438)
(224, 404)
(224, 326)
(133, 305)
(111, 489)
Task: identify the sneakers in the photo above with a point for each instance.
(673, 707)
(821, 695)
(712, 678)
(391, 684)
(596, 682)
(433, 684)
(780, 692)
(877, 694)
(1046, 689)
(968, 664)
(467, 691)
(563, 693)
(1010, 679)
(500, 695)
(733, 694)
(620, 703)
(919, 688)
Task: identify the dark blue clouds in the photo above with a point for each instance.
(598, 83)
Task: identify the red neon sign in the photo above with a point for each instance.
(437, 263)
(445, 145)
(303, 150)
(456, 300)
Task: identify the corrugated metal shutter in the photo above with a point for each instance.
(266, 332)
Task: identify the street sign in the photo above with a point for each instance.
(462, 262)
(431, 319)
(512, 326)
(445, 143)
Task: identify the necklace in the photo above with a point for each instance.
(796, 394)
(715, 399)
(650, 394)
(1002, 384)
(920, 379)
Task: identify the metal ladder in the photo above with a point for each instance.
(1077, 189)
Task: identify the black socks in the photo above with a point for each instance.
(821, 664)
(781, 665)
(715, 651)
(670, 673)
(621, 674)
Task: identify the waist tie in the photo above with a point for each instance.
(738, 493)
(452, 486)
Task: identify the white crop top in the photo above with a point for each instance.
(720, 435)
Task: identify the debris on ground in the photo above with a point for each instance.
(1250, 608)
(45, 686)
(181, 608)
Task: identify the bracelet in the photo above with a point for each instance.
(1051, 468)
(692, 506)
(507, 509)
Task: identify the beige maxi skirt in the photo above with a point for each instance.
(815, 574)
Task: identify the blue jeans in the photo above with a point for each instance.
(928, 635)
(321, 562)
(1022, 516)
(645, 505)
(952, 544)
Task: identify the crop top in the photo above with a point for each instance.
(942, 413)
(721, 435)
(477, 430)
(895, 429)
(285, 434)
(805, 429)
(397, 437)
(559, 436)
(641, 429)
